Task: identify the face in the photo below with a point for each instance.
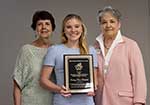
(109, 25)
(43, 28)
(73, 29)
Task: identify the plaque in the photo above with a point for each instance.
(79, 76)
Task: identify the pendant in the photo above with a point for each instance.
(105, 69)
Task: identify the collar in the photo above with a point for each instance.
(118, 38)
(107, 56)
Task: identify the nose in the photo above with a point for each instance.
(73, 29)
(43, 25)
(108, 24)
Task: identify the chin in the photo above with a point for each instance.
(45, 35)
(110, 33)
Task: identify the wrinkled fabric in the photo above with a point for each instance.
(55, 59)
(125, 81)
(27, 74)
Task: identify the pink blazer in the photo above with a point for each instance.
(125, 82)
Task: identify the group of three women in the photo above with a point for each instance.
(118, 65)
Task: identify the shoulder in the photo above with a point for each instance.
(128, 40)
(25, 48)
(56, 47)
(92, 49)
(130, 43)
(24, 52)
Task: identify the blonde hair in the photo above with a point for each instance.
(82, 40)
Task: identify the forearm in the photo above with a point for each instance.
(48, 84)
(16, 95)
(55, 88)
(100, 79)
(95, 79)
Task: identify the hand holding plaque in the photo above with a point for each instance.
(79, 73)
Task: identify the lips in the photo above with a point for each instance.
(75, 33)
(109, 29)
(44, 31)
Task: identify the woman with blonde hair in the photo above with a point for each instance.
(73, 42)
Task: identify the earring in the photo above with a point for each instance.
(35, 36)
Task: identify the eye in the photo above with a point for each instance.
(38, 24)
(103, 22)
(112, 21)
(47, 23)
(68, 27)
(77, 26)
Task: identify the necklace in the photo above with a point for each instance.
(107, 43)
(106, 46)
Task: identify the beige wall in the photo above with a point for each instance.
(15, 19)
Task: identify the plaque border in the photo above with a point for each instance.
(91, 69)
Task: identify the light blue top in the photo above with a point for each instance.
(27, 74)
(54, 58)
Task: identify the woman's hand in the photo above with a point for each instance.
(65, 92)
(138, 104)
(91, 93)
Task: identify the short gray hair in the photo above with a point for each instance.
(116, 13)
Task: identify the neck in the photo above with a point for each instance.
(72, 44)
(107, 42)
(43, 43)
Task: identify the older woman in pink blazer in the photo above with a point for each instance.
(120, 63)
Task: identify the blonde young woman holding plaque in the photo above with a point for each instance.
(73, 42)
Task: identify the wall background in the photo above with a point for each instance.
(15, 20)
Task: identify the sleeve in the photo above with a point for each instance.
(94, 54)
(138, 75)
(50, 57)
(20, 68)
